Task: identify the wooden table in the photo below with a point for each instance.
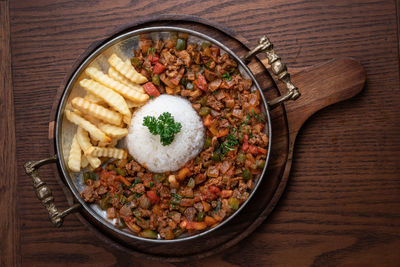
(342, 203)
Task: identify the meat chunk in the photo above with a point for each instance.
(88, 194)
(224, 123)
(214, 103)
(184, 56)
(133, 167)
(190, 213)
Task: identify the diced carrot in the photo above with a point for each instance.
(123, 180)
(132, 226)
(206, 206)
(183, 173)
(209, 220)
(185, 224)
(226, 193)
(223, 132)
(111, 214)
(207, 120)
(199, 178)
(214, 225)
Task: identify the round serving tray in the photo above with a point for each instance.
(342, 79)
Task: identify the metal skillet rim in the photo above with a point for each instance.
(68, 90)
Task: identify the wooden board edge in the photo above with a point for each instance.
(9, 222)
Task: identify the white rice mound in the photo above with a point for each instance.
(147, 149)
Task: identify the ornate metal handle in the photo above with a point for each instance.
(44, 193)
(278, 68)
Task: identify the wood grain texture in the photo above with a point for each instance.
(342, 204)
(9, 232)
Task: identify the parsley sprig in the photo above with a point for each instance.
(229, 143)
(164, 125)
(227, 76)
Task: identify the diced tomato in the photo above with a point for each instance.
(207, 120)
(201, 82)
(153, 58)
(158, 68)
(151, 89)
(213, 189)
(253, 150)
(262, 150)
(153, 196)
(245, 146)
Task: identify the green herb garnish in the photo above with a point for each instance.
(227, 76)
(176, 196)
(164, 125)
(229, 144)
(150, 51)
(258, 117)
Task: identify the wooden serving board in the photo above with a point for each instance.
(320, 85)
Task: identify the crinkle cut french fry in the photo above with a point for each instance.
(113, 73)
(113, 143)
(84, 161)
(113, 131)
(109, 152)
(74, 158)
(97, 111)
(126, 69)
(114, 99)
(95, 132)
(132, 104)
(84, 142)
(94, 99)
(127, 119)
(83, 139)
(120, 88)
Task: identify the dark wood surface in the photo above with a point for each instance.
(9, 232)
(342, 204)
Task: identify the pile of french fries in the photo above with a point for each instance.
(104, 114)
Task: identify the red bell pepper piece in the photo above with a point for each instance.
(245, 146)
(153, 58)
(151, 89)
(158, 68)
(153, 196)
(253, 150)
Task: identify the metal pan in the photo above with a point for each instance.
(123, 45)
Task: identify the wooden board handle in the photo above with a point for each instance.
(322, 85)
